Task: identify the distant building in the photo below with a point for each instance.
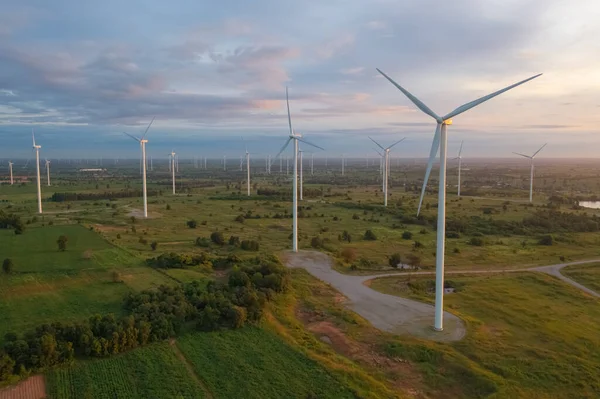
(92, 170)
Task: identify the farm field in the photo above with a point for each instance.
(517, 331)
(254, 363)
(151, 372)
(588, 275)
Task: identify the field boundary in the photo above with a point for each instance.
(190, 368)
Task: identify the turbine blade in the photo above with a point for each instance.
(412, 98)
(377, 151)
(475, 103)
(282, 149)
(287, 101)
(309, 143)
(146, 131)
(460, 149)
(133, 137)
(541, 148)
(33, 137)
(378, 145)
(435, 145)
(523, 155)
(397, 142)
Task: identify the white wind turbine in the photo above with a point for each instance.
(380, 168)
(459, 157)
(10, 164)
(142, 140)
(301, 177)
(172, 155)
(440, 142)
(531, 173)
(296, 137)
(36, 148)
(386, 167)
(247, 168)
(48, 171)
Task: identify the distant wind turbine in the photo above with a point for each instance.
(386, 167)
(172, 155)
(300, 152)
(48, 171)
(36, 148)
(531, 173)
(440, 142)
(459, 157)
(296, 137)
(142, 140)
(10, 164)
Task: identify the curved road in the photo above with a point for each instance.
(401, 315)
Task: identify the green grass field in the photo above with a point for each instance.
(588, 275)
(151, 372)
(254, 363)
(536, 335)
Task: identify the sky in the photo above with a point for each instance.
(81, 73)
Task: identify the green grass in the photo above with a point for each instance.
(588, 275)
(536, 335)
(254, 363)
(151, 372)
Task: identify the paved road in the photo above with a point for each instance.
(402, 315)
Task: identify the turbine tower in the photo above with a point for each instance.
(247, 168)
(36, 148)
(531, 173)
(296, 137)
(10, 164)
(48, 171)
(459, 157)
(386, 169)
(142, 140)
(172, 154)
(301, 177)
(440, 142)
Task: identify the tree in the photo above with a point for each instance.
(7, 266)
(192, 224)
(407, 235)
(394, 260)
(62, 243)
(316, 242)
(348, 255)
(548, 239)
(369, 235)
(217, 238)
(153, 245)
(413, 260)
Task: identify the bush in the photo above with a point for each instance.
(62, 243)
(87, 254)
(348, 255)
(476, 241)
(316, 242)
(7, 266)
(417, 245)
(202, 242)
(168, 207)
(407, 235)
(413, 260)
(249, 245)
(452, 234)
(547, 239)
(240, 218)
(153, 245)
(118, 236)
(143, 241)
(369, 235)
(394, 260)
(115, 276)
(234, 240)
(346, 236)
(191, 224)
(217, 238)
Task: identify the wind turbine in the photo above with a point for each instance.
(459, 157)
(36, 148)
(296, 137)
(343, 163)
(440, 142)
(142, 140)
(172, 154)
(386, 168)
(48, 171)
(247, 168)
(380, 168)
(531, 173)
(10, 164)
(301, 178)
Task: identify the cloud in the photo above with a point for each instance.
(352, 71)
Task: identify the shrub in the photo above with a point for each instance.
(476, 241)
(456, 250)
(7, 266)
(203, 223)
(234, 240)
(547, 239)
(348, 255)
(143, 241)
(217, 238)
(62, 243)
(407, 235)
(87, 254)
(250, 245)
(132, 219)
(203, 242)
(355, 217)
(316, 242)
(394, 260)
(153, 245)
(240, 218)
(346, 236)
(452, 234)
(369, 235)
(115, 276)
(413, 260)
(417, 244)
(119, 236)
(168, 207)
(191, 224)
(423, 231)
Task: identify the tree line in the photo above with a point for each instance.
(153, 315)
(62, 197)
